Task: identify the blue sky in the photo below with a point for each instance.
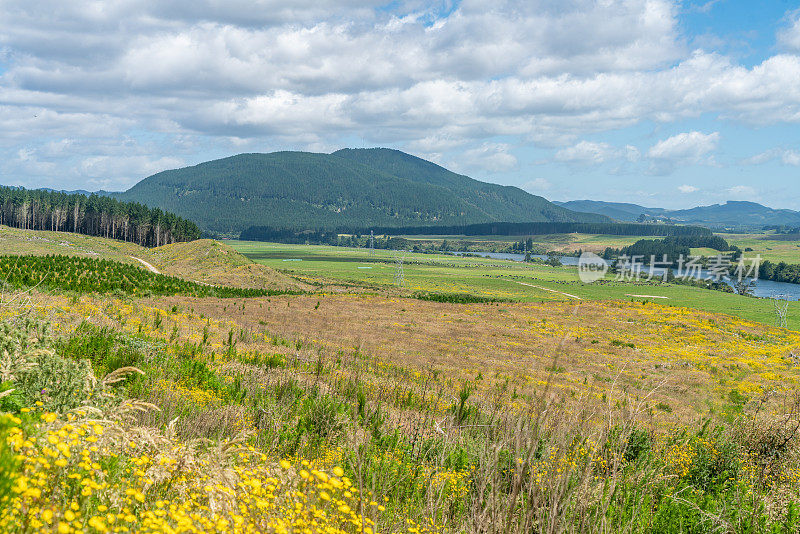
(657, 102)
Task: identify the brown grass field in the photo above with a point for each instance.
(685, 361)
(359, 406)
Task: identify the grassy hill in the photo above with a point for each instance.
(351, 188)
(211, 262)
(205, 261)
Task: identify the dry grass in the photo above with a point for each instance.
(211, 262)
(550, 457)
(693, 359)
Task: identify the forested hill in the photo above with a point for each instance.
(92, 215)
(351, 188)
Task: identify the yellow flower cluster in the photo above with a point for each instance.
(77, 475)
(181, 395)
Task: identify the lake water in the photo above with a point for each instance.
(762, 288)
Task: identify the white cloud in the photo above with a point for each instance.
(687, 188)
(491, 157)
(742, 191)
(706, 7)
(789, 37)
(688, 148)
(691, 146)
(425, 76)
(786, 157)
(111, 167)
(538, 185)
(763, 157)
(791, 157)
(585, 153)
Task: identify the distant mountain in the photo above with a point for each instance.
(620, 211)
(737, 214)
(349, 188)
(84, 192)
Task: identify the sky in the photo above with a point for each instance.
(656, 102)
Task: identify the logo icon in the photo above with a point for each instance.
(591, 267)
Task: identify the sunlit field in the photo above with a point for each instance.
(769, 246)
(493, 278)
(349, 404)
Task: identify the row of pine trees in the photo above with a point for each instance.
(92, 215)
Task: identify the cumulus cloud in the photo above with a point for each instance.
(538, 185)
(785, 156)
(492, 157)
(586, 153)
(435, 78)
(688, 148)
(789, 37)
(594, 153)
(685, 188)
(742, 191)
(791, 157)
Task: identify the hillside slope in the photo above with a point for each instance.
(503, 203)
(205, 260)
(621, 211)
(211, 262)
(353, 189)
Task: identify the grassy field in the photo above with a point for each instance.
(495, 278)
(564, 243)
(767, 245)
(363, 409)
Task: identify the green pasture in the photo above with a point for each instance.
(495, 278)
(769, 246)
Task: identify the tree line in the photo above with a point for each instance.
(269, 233)
(779, 272)
(672, 247)
(94, 215)
(544, 228)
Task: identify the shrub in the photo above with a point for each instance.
(34, 371)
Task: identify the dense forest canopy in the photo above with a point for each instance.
(323, 192)
(673, 248)
(92, 215)
(779, 272)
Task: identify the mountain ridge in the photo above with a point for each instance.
(355, 188)
(732, 213)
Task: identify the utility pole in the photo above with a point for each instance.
(781, 308)
(399, 278)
